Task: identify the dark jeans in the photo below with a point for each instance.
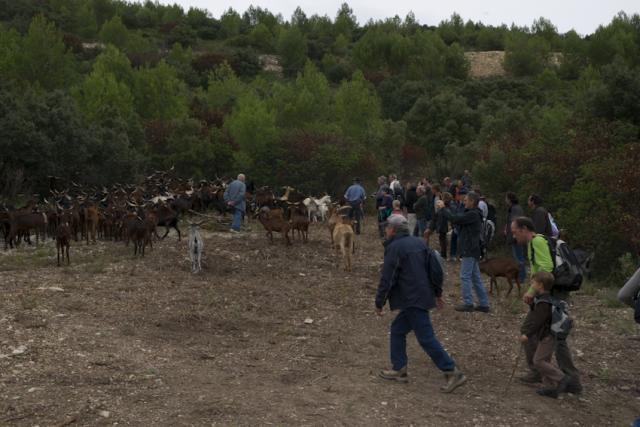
(518, 253)
(356, 212)
(418, 321)
(454, 244)
(423, 224)
(443, 244)
(563, 357)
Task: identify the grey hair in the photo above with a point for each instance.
(403, 227)
(474, 196)
(241, 177)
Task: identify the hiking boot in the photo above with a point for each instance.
(548, 392)
(574, 386)
(454, 380)
(464, 307)
(531, 377)
(482, 309)
(390, 374)
(233, 230)
(564, 384)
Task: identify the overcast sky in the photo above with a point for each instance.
(583, 16)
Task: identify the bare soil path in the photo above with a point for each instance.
(269, 335)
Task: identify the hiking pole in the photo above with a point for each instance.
(515, 366)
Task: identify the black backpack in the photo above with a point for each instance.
(636, 314)
(486, 235)
(561, 321)
(567, 270)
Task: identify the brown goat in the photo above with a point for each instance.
(299, 222)
(344, 239)
(501, 267)
(91, 219)
(21, 222)
(335, 217)
(63, 236)
(273, 223)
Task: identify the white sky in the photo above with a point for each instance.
(583, 16)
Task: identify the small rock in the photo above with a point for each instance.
(383, 403)
(19, 350)
(308, 320)
(302, 274)
(104, 414)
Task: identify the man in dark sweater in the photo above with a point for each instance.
(411, 280)
(540, 216)
(469, 225)
(517, 250)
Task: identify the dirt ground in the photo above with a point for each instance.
(270, 335)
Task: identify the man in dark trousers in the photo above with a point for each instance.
(469, 225)
(539, 253)
(540, 216)
(355, 196)
(411, 280)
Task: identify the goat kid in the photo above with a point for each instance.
(63, 237)
(196, 246)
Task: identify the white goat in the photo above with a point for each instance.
(323, 206)
(312, 208)
(196, 245)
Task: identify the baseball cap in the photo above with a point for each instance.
(397, 220)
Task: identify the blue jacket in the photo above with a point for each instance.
(235, 193)
(355, 193)
(411, 275)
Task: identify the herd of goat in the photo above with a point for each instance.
(133, 213)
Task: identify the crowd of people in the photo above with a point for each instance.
(412, 274)
(411, 278)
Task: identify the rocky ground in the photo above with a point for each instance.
(268, 334)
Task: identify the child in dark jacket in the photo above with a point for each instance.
(537, 326)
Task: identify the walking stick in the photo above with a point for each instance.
(515, 366)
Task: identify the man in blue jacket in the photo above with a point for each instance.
(234, 198)
(411, 281)
(355, 196)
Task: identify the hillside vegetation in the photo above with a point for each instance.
(183, 88)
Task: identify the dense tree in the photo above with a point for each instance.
(159, 94)
(292, 48)
(43, 57)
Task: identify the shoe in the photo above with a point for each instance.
(233, 230)
(390, 374)
(482, 309)
(548, 392)
(574, 386)
(464, 308)
(531, 377)
(454, 380)
(564, 384)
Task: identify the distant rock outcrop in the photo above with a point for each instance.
(270, 63)
(486, 64)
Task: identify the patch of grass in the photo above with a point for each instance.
(589, 288)
(25, 258)
(610, 298)
(99, 266)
